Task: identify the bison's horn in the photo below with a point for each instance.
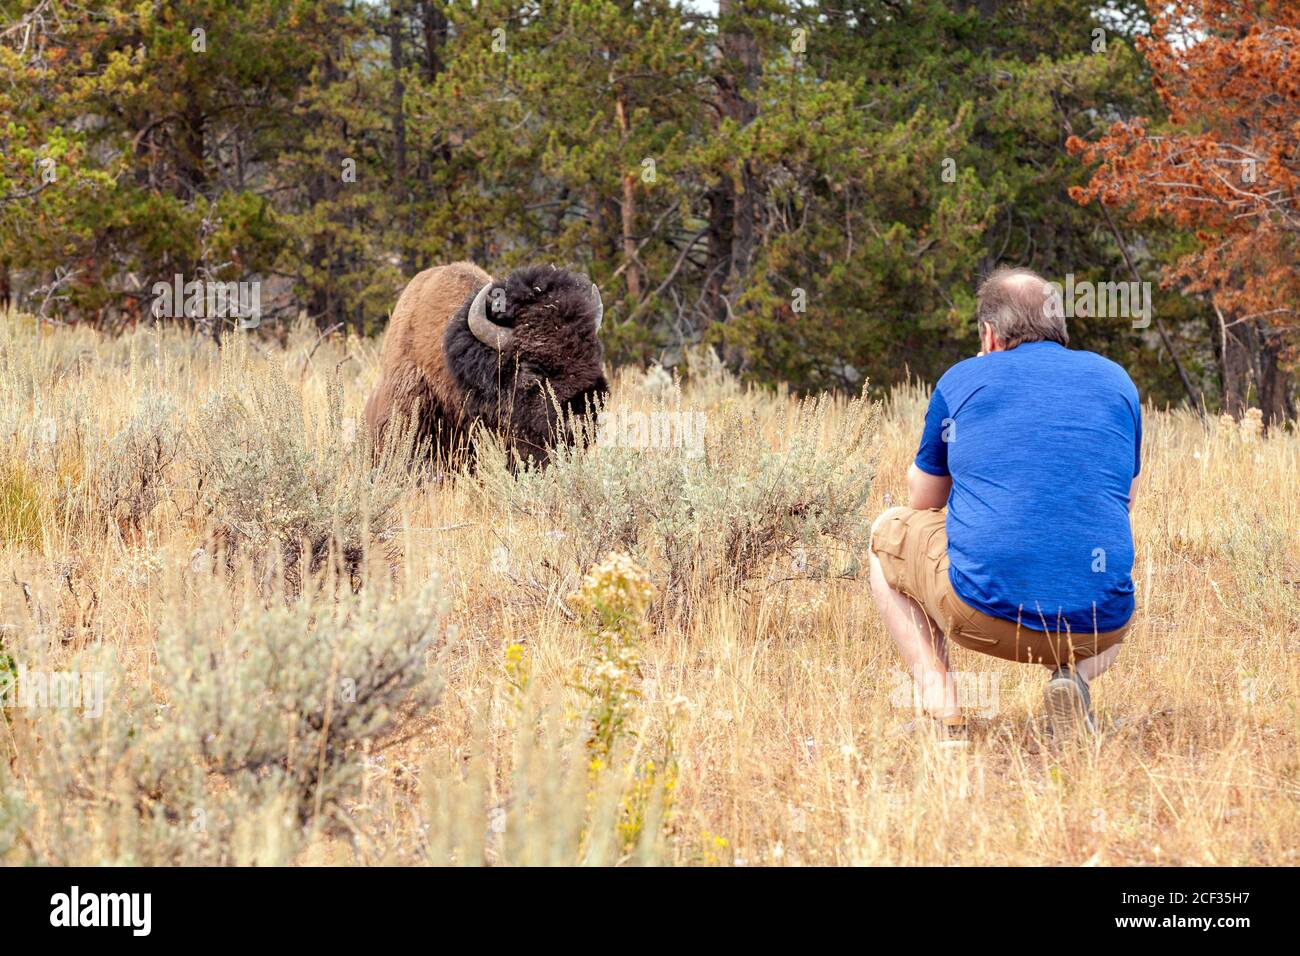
(600, 306)
(484, 329)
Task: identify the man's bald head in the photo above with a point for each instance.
(1021, 306)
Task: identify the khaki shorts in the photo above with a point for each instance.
(912, 547)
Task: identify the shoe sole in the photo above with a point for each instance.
(1067, 709)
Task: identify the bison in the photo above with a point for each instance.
(519, 355)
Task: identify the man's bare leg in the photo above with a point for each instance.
(1090, 667)
(922, 644)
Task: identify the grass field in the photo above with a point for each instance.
(258, 648)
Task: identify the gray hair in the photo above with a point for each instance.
(1021, 306)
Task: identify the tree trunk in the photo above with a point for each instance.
(741, 74)
(323, 186)
(628, 211)
(191, 172)
(1252, 372)
(400, 188)
(1235, 372)
(732, 203)
(1276, 395)
(434, 24)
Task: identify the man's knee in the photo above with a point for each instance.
(876, 570)
(887, 513)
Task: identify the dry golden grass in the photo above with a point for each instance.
(779, 696)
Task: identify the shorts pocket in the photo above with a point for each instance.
(890, 536)
(963, 626)
(936, 543)
(970, 637)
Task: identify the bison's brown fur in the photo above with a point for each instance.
(415, 380)
(441, 374)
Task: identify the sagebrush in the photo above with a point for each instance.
(433, 688)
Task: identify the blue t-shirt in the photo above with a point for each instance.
(1042, 443)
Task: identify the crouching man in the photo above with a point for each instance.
(1035, 450)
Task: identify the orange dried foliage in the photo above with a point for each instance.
(1228, 165)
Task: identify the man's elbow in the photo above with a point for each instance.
(925, 490)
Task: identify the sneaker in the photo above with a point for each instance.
(1068, 704)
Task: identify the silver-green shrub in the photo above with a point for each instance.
(287, 487)
(285, 696)
(250, 734)
(134, 465)
(716, 519)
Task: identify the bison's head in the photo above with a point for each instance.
(521, 338)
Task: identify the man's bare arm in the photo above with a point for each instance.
(1133, 491)
(925, 490)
